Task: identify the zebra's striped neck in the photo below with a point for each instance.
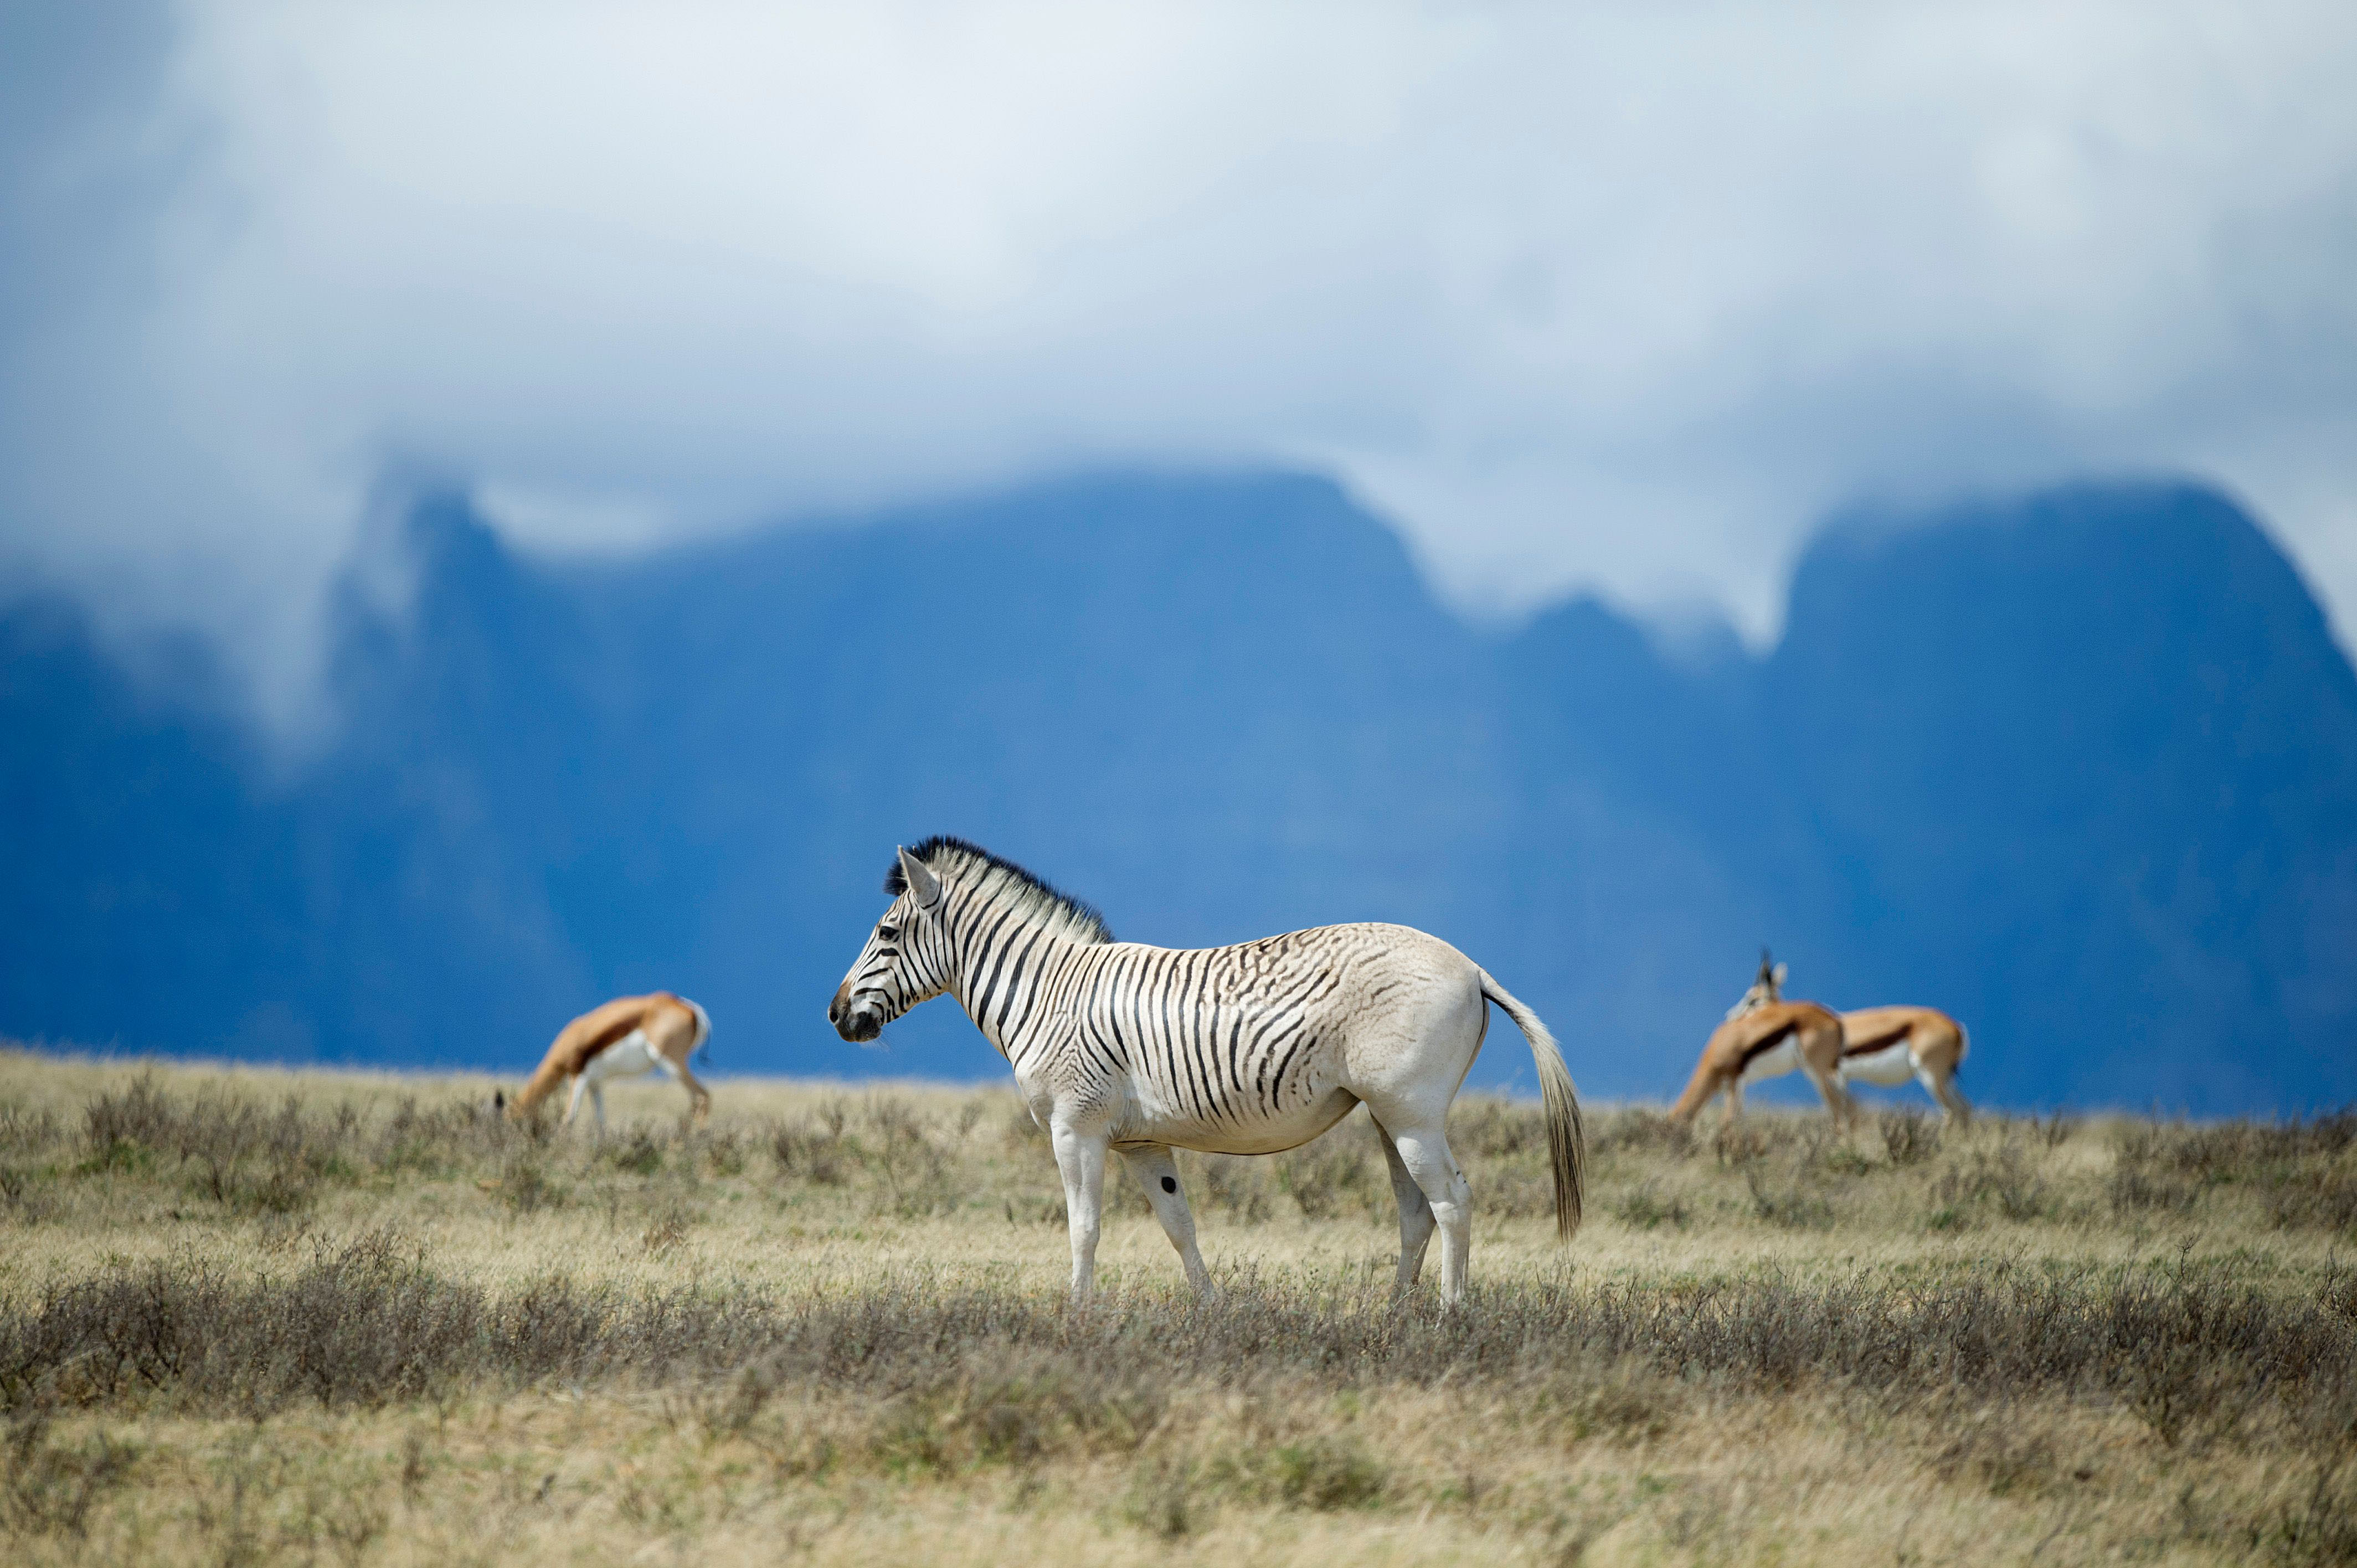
(1009, 950)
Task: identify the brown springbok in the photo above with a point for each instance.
(1766, 1036)
(1888, 1045)
(626, 1037)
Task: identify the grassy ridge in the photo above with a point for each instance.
(254, 1316)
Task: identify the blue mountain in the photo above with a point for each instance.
(2081, 768)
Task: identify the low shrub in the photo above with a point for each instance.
(1643, 1207)
(363, 1321)
(1909, 1137)
(1322, 1472)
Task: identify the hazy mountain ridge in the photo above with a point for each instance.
(2123, 731)
(2081, 769)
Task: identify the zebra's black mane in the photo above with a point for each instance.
(1078, 919)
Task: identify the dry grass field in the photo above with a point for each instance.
(255, 1316)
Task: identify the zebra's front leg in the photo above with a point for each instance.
(1157, 1176)
(1414, 1211)
(1080, 1159)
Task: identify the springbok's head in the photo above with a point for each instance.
(1766, 986)
(905, 960)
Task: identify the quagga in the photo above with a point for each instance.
(1242, 1050)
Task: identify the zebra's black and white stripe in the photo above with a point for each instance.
(1245, 1049)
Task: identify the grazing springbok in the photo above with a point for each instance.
(1236, 1050)
(624, 1038)
(1888, 1045)
(1766, 1036)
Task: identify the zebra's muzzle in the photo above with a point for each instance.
(856, 1021)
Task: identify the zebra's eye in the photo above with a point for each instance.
(889, 933)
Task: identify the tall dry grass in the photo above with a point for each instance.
(253, 1317)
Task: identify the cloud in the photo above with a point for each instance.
(1618, 296)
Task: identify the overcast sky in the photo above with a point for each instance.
(1625, 297)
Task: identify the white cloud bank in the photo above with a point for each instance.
(1621, 296)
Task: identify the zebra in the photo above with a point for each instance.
(1248, 1049)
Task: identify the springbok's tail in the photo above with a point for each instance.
(1567, 1143)
(703, 1030)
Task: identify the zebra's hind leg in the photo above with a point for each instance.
(1424, 1150)
(1080, 1159)
(1415, 1214)
(1157, 1177)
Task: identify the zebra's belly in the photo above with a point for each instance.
(1774, 1062)
(1889, 1066)
(626, 1057)
(1245, 1129)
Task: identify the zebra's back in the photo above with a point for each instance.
(1261, 1045)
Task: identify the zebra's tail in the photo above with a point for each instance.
(1567, 1144)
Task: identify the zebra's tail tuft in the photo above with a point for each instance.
(1566, 1142)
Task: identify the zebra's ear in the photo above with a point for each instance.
(925, 887)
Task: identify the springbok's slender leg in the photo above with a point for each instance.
(1734, 1103)
(699, 1098)
(1080, 1159)
(1424, 1150)
(1959, 1109)
(1827, 1079)
(597, 1104)
(573, 1106)
(1157, 1174)
(1414, 1211)
(1838, 1104)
